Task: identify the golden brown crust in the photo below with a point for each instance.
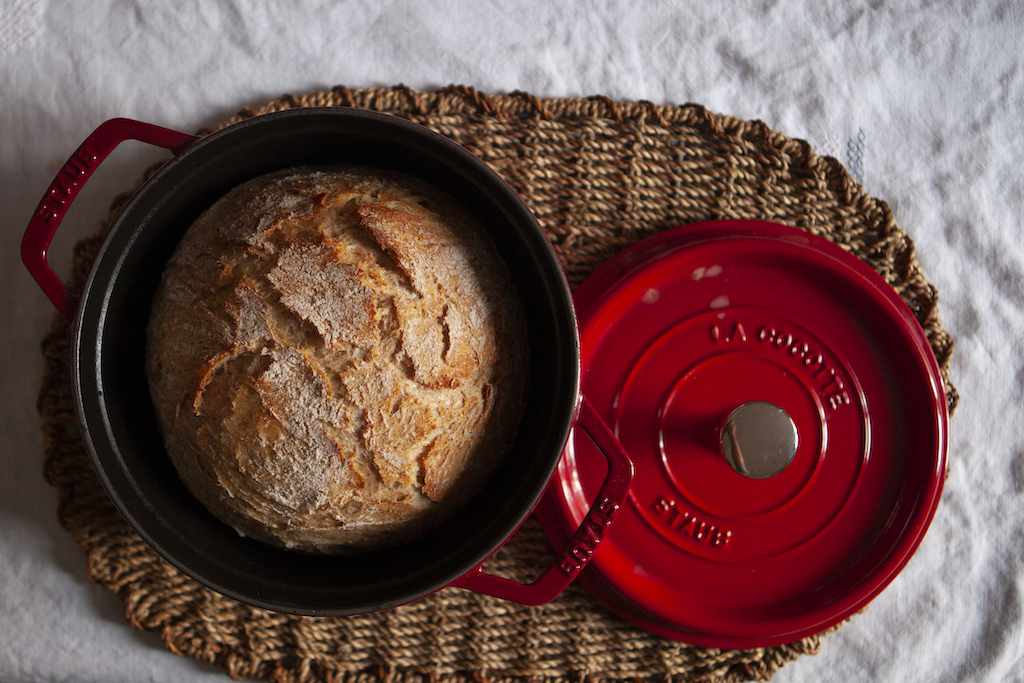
(336, 358)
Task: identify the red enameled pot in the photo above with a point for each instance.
(115, 412)
(780, 405)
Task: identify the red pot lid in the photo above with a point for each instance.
(787, 421)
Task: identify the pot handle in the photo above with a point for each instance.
(584, 542)
(65, 188)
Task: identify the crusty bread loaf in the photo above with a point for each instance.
(337, 358)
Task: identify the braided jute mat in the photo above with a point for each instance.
(600, 175)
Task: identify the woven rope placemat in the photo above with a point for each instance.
(600, 175)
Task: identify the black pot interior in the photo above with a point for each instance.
(120, 426)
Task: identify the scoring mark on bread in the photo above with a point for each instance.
(344, 326)
(329, 294)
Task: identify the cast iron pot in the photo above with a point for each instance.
(118, 424)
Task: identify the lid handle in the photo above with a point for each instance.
(759, 439)
(583, 544)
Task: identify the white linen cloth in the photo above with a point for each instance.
(931, 94)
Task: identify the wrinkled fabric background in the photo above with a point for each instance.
(923, 101)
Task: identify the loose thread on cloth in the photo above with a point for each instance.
(599, 175)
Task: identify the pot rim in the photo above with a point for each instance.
(93, 313)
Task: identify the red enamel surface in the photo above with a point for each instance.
(677, 332)
(66, 186)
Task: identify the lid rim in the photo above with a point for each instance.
(916, 516)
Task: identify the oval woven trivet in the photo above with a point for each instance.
(600, 175)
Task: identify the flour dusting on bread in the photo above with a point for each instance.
(337, 358)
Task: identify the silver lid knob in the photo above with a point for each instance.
(759, 439)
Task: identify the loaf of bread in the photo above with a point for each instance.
(337, 358)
